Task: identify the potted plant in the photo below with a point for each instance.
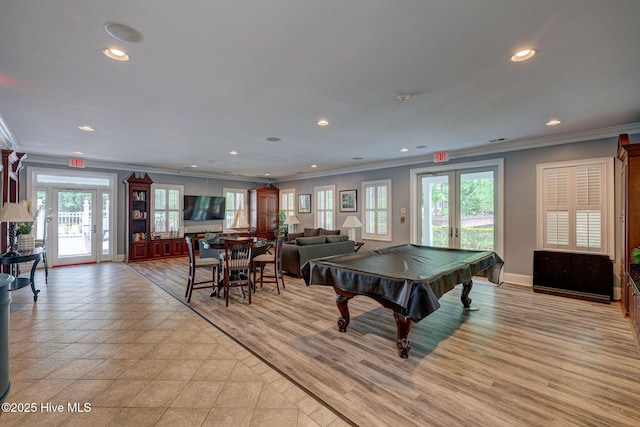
(635, 259)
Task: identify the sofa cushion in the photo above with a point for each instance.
(329, 232)
(310, 232)
(313, 240)
(293, 236)
(335, 239)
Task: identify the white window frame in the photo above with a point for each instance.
(388, 236)
(236, 192)
(166, 188)
(288, 201)
(321, 214)
(608, 205)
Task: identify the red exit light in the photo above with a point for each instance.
(440, 157)
(76, 163)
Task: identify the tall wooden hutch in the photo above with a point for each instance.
(263, 210)
(139, 212)
(11, 166)
(629, 154)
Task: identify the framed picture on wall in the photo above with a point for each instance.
(304, 203)
(349, 201)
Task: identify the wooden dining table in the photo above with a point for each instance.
(214, 248)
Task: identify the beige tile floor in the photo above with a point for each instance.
(103, 336)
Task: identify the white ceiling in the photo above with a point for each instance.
(215, 76)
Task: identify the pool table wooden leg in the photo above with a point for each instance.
(403, 323)
(342, 303)
(466, 290)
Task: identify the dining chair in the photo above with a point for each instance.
(237, 267)
(275, 259)
(200, 263)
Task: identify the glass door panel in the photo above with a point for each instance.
(477, 208)
(457, 209)
(434, 210)
(75, 231)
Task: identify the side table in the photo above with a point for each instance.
(34, 255)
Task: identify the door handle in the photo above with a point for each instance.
(450, 231)
(94, 229)
(456, 232)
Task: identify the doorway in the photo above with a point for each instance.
(81, 211)
(458, 206)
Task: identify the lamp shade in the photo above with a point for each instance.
(352, 221)
(291, 220)
(15, 212)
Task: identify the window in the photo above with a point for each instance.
(235, 198)
(325, 207)
(287, 202)
(167, 208)
(377, 210)
(575, 206)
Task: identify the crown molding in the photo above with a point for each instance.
(96, 164)
(501, 147)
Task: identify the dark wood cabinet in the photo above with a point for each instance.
(264, 203)
(167, 248)
(12, 163)
(139, 212)
(629, 155)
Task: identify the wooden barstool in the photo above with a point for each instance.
(276, 260)
(194, 264)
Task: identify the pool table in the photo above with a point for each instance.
(408, 279)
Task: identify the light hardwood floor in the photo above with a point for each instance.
(522, 359)
(108, 335)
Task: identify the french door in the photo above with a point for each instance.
(77, 210)
(457, 208)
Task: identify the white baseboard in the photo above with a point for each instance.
(518, 279)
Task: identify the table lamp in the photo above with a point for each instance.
(352, 222)
(13, 213)
(292, 222)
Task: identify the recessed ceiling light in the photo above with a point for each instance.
(193, 166)
(421, 146)
(273, 139)
(523, 55)
(116, 54)
(314, 166)
(404, 150)
(86, 128)
(233, 152)
(267, 174)
(401, 97)
(553, 122)
(323, 122)
(79, 153)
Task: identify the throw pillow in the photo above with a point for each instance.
(310, 232)
(329, 232)
(335, 239)
(313, 240)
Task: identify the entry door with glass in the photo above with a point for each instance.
(76, 226)
(457, 209)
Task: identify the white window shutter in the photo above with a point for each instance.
(557, 205)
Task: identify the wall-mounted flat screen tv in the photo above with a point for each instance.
(203, 208)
